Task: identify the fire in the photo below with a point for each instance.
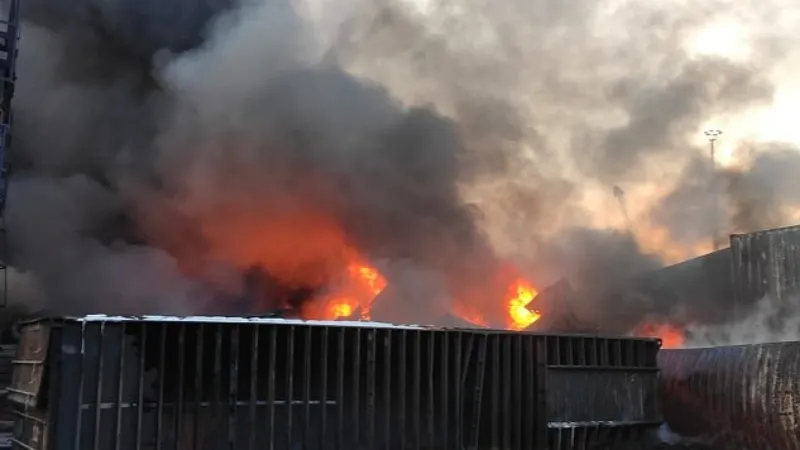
(311, 264)
(519, 313)
(362, 284)
(371, 277)
(671, 336)
(300, 246)
(469, 315)
(516, 308)
(341, 310)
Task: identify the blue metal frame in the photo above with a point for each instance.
(9, 37)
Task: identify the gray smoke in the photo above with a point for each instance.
(764, 194)
(759, 195)
(571, 97)
(141, 179)
(582, 250)
(137, 29)
(769, 321)
(603, 265)
(154, 138)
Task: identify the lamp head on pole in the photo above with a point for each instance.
(712, 134)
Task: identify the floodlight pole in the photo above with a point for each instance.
(713, 135)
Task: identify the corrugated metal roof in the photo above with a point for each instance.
(322, 323)
(225, 319)
(789, 229)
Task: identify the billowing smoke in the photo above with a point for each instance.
(169, 183)
(163, 150)
(762, 193)
(699, 295)
(759, 194)
(769, 321)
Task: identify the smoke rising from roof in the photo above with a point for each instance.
(148, 134)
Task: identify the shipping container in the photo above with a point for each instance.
(703, 282)
(212, 383)
(734, 397)
(766, 263)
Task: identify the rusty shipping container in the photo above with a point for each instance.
(734, 397)
(765, 263)
(212, 383)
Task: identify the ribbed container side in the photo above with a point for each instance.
(89, 384)
(736, 396)
(703, 282)
(766, 263)
(601, 391)
(695, 282)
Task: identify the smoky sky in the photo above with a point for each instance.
(137, 28)
(148, 174)
(760, 194)
(146, 132)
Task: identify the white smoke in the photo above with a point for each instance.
(771, 320)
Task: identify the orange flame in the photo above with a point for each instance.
(671, 336)
(300, 246)
(341, 310)
(520, 316)
(470, 315)
(362, 285)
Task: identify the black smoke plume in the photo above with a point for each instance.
(160, 168)
(444, 138)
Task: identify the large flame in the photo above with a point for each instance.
(519, 313)
(353, 293)
(301, 247)
(365, 283)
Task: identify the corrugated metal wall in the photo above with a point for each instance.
(736, 397)
(152, 385)
(692, 282)
(599, 391)
(765, 262)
